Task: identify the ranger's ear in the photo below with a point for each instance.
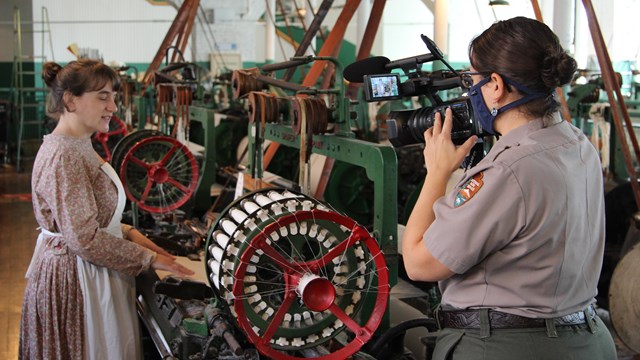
(499, 88)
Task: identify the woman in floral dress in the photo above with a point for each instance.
(79, 302)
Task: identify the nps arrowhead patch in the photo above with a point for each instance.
(469, 189)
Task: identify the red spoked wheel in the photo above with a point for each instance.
(159, 174)
(301, 279)
(307, 284)
(104, 143)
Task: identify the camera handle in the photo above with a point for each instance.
(475, 155)
(435, 51)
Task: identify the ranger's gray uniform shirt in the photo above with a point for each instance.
(524, 229)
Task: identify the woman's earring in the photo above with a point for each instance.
(494, 111)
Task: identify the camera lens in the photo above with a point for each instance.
(420, 121)
(407, 127)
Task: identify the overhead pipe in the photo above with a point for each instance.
(270, 36)
(564, 107)
(441, 25)
(563, 20)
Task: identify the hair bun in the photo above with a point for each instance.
(558, 69)
(49, 72)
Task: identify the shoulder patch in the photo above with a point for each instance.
(469, 189)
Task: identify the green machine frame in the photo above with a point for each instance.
(218, 133)
(581, 98)
(379, 162)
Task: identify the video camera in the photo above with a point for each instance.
(406, 127)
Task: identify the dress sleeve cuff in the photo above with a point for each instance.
(126, 228)
(148, 258)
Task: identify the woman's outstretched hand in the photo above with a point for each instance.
(166, 263)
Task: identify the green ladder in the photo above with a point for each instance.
(28, 93)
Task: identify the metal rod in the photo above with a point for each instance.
(310, 33)
(177, 27)
(286, 65)
(334, 40)
(611, 85)
(281, 84)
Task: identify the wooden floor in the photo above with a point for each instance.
(17, 240)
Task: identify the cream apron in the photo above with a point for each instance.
(111, 322)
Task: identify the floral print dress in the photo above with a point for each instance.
(74, 202)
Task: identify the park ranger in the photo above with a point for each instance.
(517, 246)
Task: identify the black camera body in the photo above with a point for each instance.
(407, 127)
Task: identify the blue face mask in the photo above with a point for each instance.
(482, 113)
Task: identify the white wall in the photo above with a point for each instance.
(401, 28)
(252, 41)
(405, 20)
(122, 30)
(132, 30)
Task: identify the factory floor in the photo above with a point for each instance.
(17, 240)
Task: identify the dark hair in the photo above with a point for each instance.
(527, 52)
(77, 77)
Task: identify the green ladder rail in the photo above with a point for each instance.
(28, 98)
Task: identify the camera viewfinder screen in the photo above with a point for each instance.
(382, 87)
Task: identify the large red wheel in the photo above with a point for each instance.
(104, 143)
(296, 274)
(159, 174)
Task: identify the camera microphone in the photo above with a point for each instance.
(411, 62)
(356, 71)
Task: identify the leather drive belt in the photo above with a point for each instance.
(470, 319)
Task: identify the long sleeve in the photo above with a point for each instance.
(72, 199)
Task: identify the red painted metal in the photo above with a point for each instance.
(330, 46)
(618, 107)
(364, 51)
(180, 29)
(103, 138)
(295, 270)
(160, 173)
(314, 28)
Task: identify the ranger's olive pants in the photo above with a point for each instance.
(589, 341)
